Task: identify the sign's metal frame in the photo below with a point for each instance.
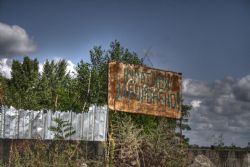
(128, 83)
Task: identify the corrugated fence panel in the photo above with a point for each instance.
(27, 124)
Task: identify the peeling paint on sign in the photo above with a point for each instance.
(143, 90)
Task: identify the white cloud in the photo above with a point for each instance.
(223, 107)
(242, 89)
(71, 68)
(40, 67)
(196, 103)
(244, 82)
(5, 67)
(195, 88)
(14, 40)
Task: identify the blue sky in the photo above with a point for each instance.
(186, 36)
(208, 41)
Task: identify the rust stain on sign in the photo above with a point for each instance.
(143, 90)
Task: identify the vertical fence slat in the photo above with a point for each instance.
(30, 123)
(71, 125)
(88, 127)
(23, 130)
(1, 130)
(44, 131)
(18, 124)
(93, 123)
(3, 122)
(106, 124)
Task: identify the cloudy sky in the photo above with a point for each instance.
(208, 41)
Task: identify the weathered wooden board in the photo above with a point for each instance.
(143, 90)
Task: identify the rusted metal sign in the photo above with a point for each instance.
(143, 90)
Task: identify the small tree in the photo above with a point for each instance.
(218, 141)
(182, 123)
(21, 89)
(248, 146)
(2, 92)
(62, 130)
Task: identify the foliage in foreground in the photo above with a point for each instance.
(55, 154)
(62, 130)
(130, 145)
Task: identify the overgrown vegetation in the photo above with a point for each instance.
(134, 140)
(135, 147)
(58, 153)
